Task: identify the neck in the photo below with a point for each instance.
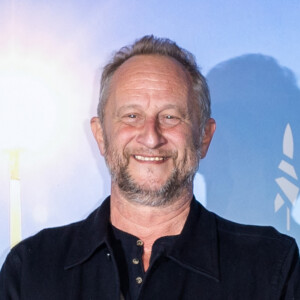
(135, 219)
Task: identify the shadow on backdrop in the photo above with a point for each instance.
(253, 100)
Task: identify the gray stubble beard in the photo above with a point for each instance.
(165, 195)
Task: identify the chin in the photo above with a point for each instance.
(150, 191)
(151, 184)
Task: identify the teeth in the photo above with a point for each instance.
(147, 158)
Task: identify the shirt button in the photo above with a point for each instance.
(135, 261)
(139, 280)
(139, 243)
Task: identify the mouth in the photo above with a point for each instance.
(150, 158)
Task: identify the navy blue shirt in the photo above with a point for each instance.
(212, 258)
(128, 250)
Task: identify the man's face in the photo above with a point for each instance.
(151, 137)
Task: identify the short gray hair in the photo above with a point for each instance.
(150, 45)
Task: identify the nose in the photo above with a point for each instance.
(150, 135)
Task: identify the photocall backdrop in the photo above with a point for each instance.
(51, 55)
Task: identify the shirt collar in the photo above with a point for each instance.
(195, 249)
(89, 235)
(197, 246)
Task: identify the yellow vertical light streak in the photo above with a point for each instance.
(15, 197)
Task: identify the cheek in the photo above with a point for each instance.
(180, 139)
(122, 136)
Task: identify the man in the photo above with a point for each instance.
(151, 239)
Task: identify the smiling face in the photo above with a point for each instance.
(151, 134)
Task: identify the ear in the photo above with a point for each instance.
(98, 134)
(209, 130)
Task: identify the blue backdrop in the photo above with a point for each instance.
(249, 51)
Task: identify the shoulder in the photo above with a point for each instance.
(252, 235)
(240, 235)
(256, 255)
(50, 242)
(251, 246)
(58, 243)
(260, 250)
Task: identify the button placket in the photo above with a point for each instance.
(139, 243)
(135, 261)
(139, 280)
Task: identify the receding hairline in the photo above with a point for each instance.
(162, 47)
(180, 74)
(177, 67)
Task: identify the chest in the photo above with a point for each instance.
(98, 278)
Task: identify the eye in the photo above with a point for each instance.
(169, 120)
(129, 117)
(132, 119)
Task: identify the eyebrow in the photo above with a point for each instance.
(125, 107)
(173, 106)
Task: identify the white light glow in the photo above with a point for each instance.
(41, 90)
(200, 189)
(40, 214)
(32, 100)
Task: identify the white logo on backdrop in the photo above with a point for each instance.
(288, 181)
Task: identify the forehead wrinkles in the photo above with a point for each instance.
(151, 73)
(153, 82)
